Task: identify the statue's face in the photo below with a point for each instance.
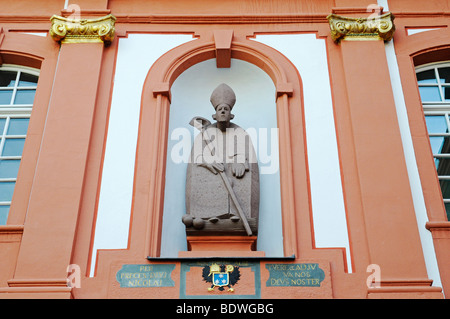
(223, 113)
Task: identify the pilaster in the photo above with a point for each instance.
(48, 237)
(387, 206)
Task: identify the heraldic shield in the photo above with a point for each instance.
(221, 276)
(221, 279)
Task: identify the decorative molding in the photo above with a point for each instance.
(284, 88)
(287, 18)
(439, 230)
(394, 288)
(221, 19)
(441, 225)
(99, 30)
(91, 13)
(38, 282)
(162, 88)
(222, 40)
(345, 28)
(357, 10)
(34, 292)
(11, 233)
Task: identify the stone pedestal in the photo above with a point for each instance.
(221, 246)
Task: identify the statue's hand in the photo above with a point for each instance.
(238, 169)
(213, 167)
(219, 167)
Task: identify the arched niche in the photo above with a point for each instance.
(152, 148)
(255, 111)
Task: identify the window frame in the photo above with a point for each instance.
(437, 108)
(11, 111)
(434, 66)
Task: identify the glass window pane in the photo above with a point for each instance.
(436, 124)
(6, 191)
(443, 168)
(426, 77)
(443, 165)
(4, 210)
(444, 75)
(436, 163)
(447, 209)
(7, 78)
(9, 168)
(18, 126)
(27, 80)
(446, 146)
(445, 188)
(24, 97)
(430, 94)
(13, 147)
(446, 93)
(436, 144)
(2, 125)
(5, 97)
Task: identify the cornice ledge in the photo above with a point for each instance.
(438, 225)
(347, 28)
(100, 30)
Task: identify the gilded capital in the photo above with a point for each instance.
(372, 28)
(83, 30)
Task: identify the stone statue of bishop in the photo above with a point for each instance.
(222, 153)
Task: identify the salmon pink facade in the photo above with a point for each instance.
(348, 107)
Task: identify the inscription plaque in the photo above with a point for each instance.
(148, 275)
(295, 275)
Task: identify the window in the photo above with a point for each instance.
(434, 89)
(17, 90)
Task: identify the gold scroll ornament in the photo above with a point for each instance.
(99, 30)
(372, 28)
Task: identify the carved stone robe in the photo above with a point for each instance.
(206, 193)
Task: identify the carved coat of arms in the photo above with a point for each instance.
(221, 276)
